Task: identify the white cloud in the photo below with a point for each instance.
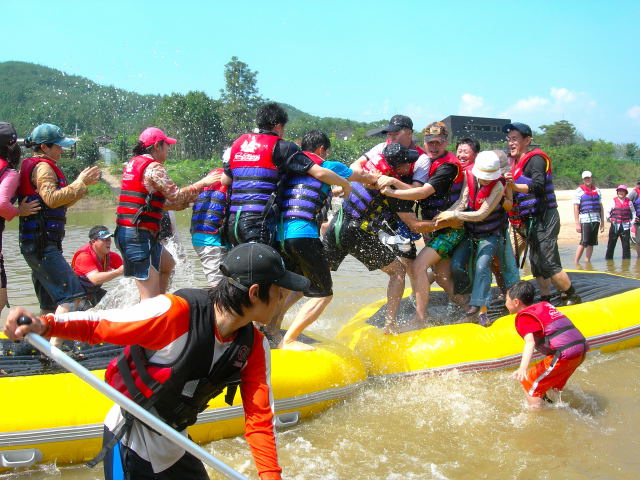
(634, 112)
(560, 103)
(563, 95)
(473, 105)
(529, 104)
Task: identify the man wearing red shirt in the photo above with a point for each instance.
(96, 264)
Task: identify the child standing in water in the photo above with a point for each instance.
(551, 333)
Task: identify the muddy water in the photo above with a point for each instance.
(428, 427)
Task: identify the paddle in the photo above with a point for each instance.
(129, 405)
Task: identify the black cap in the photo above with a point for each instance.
(251, 263)
(395, 154)
(523, 128)
(397, 123)
(8, 134)
(99, 232)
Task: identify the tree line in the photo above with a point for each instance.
(206, 126)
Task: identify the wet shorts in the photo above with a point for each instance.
(140, 251)
(543, 245)
(250, 227)
(446, 240)
(549, 373)
(305, 256)
(365, 247)
(589, 234)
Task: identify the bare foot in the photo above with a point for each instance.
(391, 328)
(296, 345)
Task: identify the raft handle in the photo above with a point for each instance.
(288, 419)
(20, 458)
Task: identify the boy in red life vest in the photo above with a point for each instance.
(621, 214)
(588, 213)
(96, 264)
(551, 333)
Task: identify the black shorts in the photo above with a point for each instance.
(543, 245)
(122, 462)
(352, 240)
(305, 256)
(589, 235)
(250, 227)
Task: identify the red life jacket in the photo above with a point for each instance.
(559, 336)
(3, 166)
(51, 220)
(137, 207)
(621, 211)
(255, 176)
(313, 157)
(434, 204)
(528, 204)
(379, 163)
(163, 386)
(494, 222)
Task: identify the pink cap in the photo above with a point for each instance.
(152, 135)
(622, 187)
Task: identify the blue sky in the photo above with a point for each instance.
(532, 61)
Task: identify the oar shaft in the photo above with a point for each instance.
(132, 407)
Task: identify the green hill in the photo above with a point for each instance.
(33, 94)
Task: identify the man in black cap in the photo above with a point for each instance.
(96, 264)
(196, 342)
(399, 130)
(535, 212)
(634, 198)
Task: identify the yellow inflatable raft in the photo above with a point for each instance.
(64, 419)
(608, 318)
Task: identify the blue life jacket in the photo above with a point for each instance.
(209, 209)
(46, 225)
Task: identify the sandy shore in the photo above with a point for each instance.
(568, 234)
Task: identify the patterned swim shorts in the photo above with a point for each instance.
(446, 240)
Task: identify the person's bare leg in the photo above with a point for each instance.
(544, 284)
(425, 259)
(561, 281)
(443, 275)
(579, 251)
(150, 287)
(167, 264)
(395, 289)
(3, 299)
(408, 266)
(588, 251)
(534, 404)
(272, 329)
(309, 313)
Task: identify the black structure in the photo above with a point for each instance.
(479, 128)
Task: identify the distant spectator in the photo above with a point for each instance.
(96, 264)
(621, 214)
(588, 212)
(634, 197)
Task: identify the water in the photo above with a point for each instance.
(426, 427)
